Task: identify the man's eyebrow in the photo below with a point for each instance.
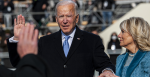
(60, 15)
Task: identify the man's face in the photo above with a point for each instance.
(66, 18)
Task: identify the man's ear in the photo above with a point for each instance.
(77, 18)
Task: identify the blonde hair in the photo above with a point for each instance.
(139, 30)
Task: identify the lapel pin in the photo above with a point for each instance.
(78, 38)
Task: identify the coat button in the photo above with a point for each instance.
(65, 66)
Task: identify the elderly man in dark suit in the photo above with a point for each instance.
(70, 52)
(30, 64)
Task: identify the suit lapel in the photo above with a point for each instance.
(58, 45)
(78, 37)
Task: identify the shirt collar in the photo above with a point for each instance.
(71, 35)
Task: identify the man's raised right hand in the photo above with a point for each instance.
(18, 24)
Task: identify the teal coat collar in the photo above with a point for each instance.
(137, 58)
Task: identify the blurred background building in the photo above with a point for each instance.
(101, 16)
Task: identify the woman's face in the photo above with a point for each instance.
(125, 39)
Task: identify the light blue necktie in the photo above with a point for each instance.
(66, 45)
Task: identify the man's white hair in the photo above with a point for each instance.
(66, 2)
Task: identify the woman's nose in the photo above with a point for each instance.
(119, 36)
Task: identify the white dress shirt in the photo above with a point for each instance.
(70, 39)
(11, 40)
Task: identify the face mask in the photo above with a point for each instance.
(114, 37)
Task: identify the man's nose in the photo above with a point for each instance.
(65, 20)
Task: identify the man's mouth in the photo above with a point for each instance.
(65, 26)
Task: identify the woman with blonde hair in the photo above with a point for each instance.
(135, 37)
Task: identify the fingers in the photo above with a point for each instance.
(18, 19)
(30, 33)
(21, 36)
(20, 43)
(23, 20)
(15, 22)
(102, 75)
(26, 31)
(35, 37)
(31, 27)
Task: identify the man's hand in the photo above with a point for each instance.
(18, 24)
(28, 38)
(107, 73)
